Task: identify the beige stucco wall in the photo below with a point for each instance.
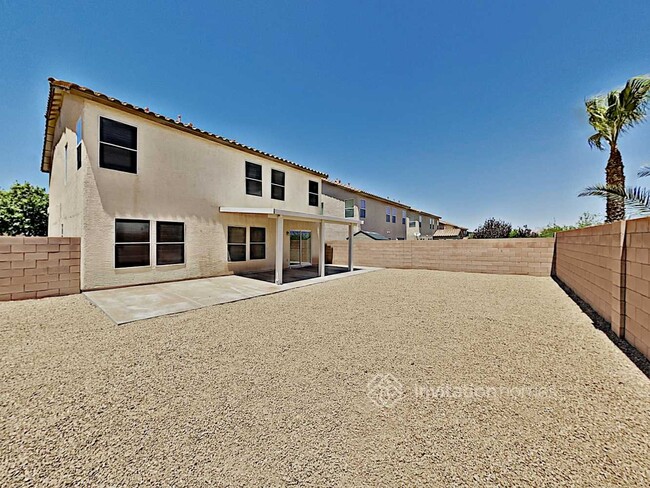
(336, 207)
(375, 219)
(180, 177)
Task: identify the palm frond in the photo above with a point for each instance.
(596, 141)
(644, 171)
(634, 197)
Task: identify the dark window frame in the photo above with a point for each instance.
(388, 215)
(278, 186)
(238, 244)
(362, 209)
(313, 194)
(404, 217)
(163, 244)
(123, 244)
(103, 144)
(251, 179)
(394, 213)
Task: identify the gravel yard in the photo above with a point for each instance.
(377, 379)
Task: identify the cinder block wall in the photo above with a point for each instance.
(36, 267)
(498, 256)
(608, 267)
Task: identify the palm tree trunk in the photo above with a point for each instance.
(614, 176)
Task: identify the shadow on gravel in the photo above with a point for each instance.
(605, 327)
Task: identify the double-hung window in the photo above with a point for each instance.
(253, 179)
(236, 243)
(118, 146)
(403, 216)
(79, 138)
(258, 243)
(394, 215)
(430, 223)
(362, 209)
(313, 193)
(170, 243)
(277, 184)
(388, 214)
(349, 208)
(132, 243)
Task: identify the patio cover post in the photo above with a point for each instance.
(321, 255)
(279, 251)
(350, 235)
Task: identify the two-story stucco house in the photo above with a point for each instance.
(154, 199)
(389, 218)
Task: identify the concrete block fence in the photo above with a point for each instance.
(608, 266)
(37, 267)
(497, 256)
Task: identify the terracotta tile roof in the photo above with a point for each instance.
(444, 222)
(451, 232)
(55, 98)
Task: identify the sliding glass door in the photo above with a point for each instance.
(299, 248)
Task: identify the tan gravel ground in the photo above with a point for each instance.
(274, 390)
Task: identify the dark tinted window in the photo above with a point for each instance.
(258, 243)
(277, 184)
(131, 243)
(170, 254)
(313, 193)
(170, 231)
(112, 157)
(117, 146)
(253, 179)
(131, 230)
(117, 133)
(129, 255)
(236, 243)
(170, 237)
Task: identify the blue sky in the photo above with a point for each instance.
(469, 109)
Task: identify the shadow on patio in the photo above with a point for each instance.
(291, 275)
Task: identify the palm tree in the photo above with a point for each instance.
(636, 198)
(611, 115)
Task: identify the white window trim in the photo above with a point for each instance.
(155, 261)
(115, 243)
(245, 243)
(246, 178)
(251, 242)
(99, 145)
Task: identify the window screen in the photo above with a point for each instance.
(236, 243)
(277, 184)
(258, 243)
(313, 193)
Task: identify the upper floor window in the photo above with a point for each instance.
(388, 214)
(277, 184)
(253, 179)
(349, 208)
(394, 215)
(170, 243)
(403, 216)
(313, 193)
(132, 240)
(79, 136)
(118, 146)
(430, 223)
(362, 209)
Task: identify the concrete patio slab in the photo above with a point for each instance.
(140, 302)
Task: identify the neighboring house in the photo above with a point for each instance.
(155, 199)
(447, 230)
(371, 236)
(389, 218)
